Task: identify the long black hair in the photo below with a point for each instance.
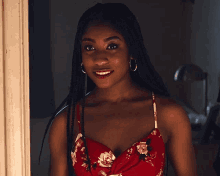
(123, 20)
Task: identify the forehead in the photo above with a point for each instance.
(101, 31)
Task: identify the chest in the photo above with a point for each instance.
(119, 127)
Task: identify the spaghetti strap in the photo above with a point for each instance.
(155, 110)
(129, 161)
(78, 117)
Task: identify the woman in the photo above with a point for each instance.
(127, 115)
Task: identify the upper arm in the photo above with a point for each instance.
(58, 146)
(180, 148)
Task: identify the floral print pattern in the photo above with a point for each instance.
(154, 132)
(77, 144)
(104, 163)
(146, 152)
(149, 159)
(142, 148)
(105, 159)
(102, 173)
(73, 156)
(129, 153)
(160, 173)
(150, 162)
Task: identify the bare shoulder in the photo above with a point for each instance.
(171, 114)
(179, 145)
(58, 143)
(58, 127)
(168, 106)
(60, 123)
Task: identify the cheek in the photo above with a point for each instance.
(84, 56)
(121, 60)
(86, 59)
(87, 65)
(121, 65)
(117, 62)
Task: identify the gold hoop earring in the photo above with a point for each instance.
(82, 68)
(135, 65)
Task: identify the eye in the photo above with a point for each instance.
(89, 47)
(113, 46)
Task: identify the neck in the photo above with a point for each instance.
(118, 94)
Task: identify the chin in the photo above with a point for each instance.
(99, 86)
(102, 83)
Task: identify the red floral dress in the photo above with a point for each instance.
(145, 157)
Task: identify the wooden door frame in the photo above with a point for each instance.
(14, 89)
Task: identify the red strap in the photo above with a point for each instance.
(78, 117)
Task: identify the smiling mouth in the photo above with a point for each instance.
(104, 74)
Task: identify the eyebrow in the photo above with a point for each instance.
(107, 39)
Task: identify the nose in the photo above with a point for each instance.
(101, 62)
(101, 58)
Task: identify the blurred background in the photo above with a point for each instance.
(175, 33)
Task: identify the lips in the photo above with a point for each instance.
(104, 71)
(103, 76)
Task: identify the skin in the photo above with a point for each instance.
(109, 54)
(118, 105)
(119, 89)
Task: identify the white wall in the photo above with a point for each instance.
(205, 43)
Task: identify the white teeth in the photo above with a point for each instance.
(102, 73)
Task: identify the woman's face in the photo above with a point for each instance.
(103, 48)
